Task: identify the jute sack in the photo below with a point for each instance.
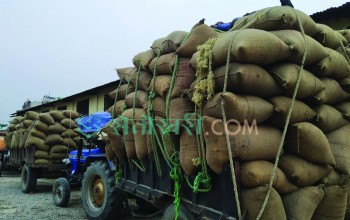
(178, 108)
(250, 46)
(246, 108)
(301, 172)
(165, 64)
(143, 59)
(23, 133)
(346, 34)
(118, 108)
(31, 115)
(159, 106)
(57, 155)
(332, 93)
(345, 83)
(258, 173)
(38, 143)
(199, 35)
(27, 123)
(296, 42)
(69, 133)
(302, 203)
(277, 18)
(70, 114)
(140, 99)
(247, 143)
(253, 199)
(286, 75)
(333, 204)
(15, 140)
(307, 141)
(339, 141)
(109, 152)
(185, 76)
(344, 108)
(56, 128)
(59, 149)
(19, 126)
(169, 43)
(69, 123)
(16, 120)
(54, 139)
(327, 36)
(39, 154)
(46, 118)
(122, 92)
(125, 73)
(335, 179)
(57, 115)
(328, 118)
(194, 59)
(347, 186)
(134, 115)
(342, 38)
(41, 161)
(117, 144)
(162, 85)
(11, 127)
(247, 79)
(188, 153)
(140, 132)
(301, 112)
(69, 142)
(143, 81)
(334, 66)
(129, 143)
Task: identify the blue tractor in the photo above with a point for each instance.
(89, 167)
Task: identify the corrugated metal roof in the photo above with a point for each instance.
(342, 11)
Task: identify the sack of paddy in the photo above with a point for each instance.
(164, 64)
(16, 120)
(117, 144)
(159, 106)
(327, 36)
(188, 153)
(345, 34)
(335, 178)
(328, 118)
(247, 143)
(199, 35)
(70, 114)
(19, 126)
(185, 76)
(334, 66)
(36, 142)
(249, 46)
(125, 73)
(31, 115)
(143, 59)
(46, 118)
(23, 133)
(69, 133)
(122, 91)
(309, 142)
(118, 108)
(69, 142)
(15, 140)
(247, 79)
(140, 99)
(297, 44)
(286, 75)
(259, 172)
(301, 203)
(129, 143)
(142, 79)
(11, 127)
(54, 139)
(69, 123)
(39, 154)
(339, 141)
(57, 115)
(333, 204)
(300, 113)
(169, 43)
(57, 128)
(332, 93)
(301, 172)
(140, 131)
(347, 186)
(27, 123)
(253, 199)
(57, 156)
(342, 38)
(344, 108)
(345, 83)
(246, 108)
(109, 152)
(179, 108)
(41, 161)
(277, 18)
(59, 148)
(161, 85)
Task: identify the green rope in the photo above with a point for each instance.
(141, 167)
(135, 94)
(176, 175)
(126, 93)
(116, 98)
(285, 129)
(118, 175)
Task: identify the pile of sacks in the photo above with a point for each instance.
(261, 57)
(51, 134)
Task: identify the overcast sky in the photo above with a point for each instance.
(67, 46)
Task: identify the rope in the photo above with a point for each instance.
(343, 49)
(126, 93)
(115, 97)
(286, 124)
(135, 94)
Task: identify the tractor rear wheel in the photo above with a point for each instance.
(61, 192)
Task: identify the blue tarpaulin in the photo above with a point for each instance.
(94, 122)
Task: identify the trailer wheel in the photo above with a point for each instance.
(28, 179)
(100, 197)
(184, 213)
(61, 192)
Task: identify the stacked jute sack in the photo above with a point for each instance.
(50, 133)
(252, 71)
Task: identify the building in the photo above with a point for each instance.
(86, 102)
(336, 18)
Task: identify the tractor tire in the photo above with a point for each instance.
(28, 179)
(184, 213)
(0, 168)
(100, 197)
(61, 192)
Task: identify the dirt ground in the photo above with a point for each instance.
(16, 205)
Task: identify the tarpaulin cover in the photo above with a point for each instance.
(94, 122)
